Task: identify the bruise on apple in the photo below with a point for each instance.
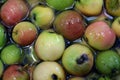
(83, 58)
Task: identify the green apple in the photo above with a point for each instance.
(1, 68)
(42, 16)
(78, 60)
(89, 7)
(60, 4)
(49, 71)
(3, 36)
(11, 54)
(108, 62)
(24, 33)
(49, 45)
(112, 7)
(116, 26)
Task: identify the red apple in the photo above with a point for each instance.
(13, 11)
(15, 72)
(100, 36)
(70, 24)
(24, 33)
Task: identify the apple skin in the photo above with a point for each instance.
(112, 7)
(49, 70)
(1, 68)
(24, 33)
(89, 7)
(3, 36)
(116, 26)
(15, 72)
(13, 11)
(70, 24)
(56, 4)
(42, 16)
(77, 78)
(49, 45)
(78, 60)
(100, 36)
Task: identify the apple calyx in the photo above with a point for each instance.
(83, 58)
(54, 77)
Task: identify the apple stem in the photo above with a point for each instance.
(82, 59)
(54, 77)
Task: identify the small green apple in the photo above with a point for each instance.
(60, 4)
(108, 62)
(42, 16)
(49, 45)
(116, 26)
(78, 60)
(24, 33)
(89, 7)
(1, 68)
(49, 71)
(11, 54)
(3, 36)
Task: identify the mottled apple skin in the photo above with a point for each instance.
(24, 33)
(15, 72)
(100, 36)
(70, 24)
(13, 11)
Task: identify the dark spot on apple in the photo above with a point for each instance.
(83, 58)
(54, 77)
(34, 16)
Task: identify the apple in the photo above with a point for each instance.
(49, 71)
(89, 7)
(116, 26)
(70, 24)
(11, 54)
(60, 4)
(24, 33)
(15, 72)
(42, 16)
(99, 35)
(3, 36)
(1, 68)
(33, 3)
(13, 11)
(112, 7)
(108, 62)
(49, 45)
(78, 60)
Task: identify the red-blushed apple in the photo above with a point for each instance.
(116, 26)
(13, 11)
(15, 72)
(89, 7)
(24, 33)
(70, 24)
(49, 45)
(42, 16)
(49, 70)
(100, 36)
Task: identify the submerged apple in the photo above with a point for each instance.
(89, 7)
(70, 24)
(13, 11)
(15, 72)
(49, 45)
(42, 16)
(100, 36)
(78, 60)
(49, 71)
(24, 33)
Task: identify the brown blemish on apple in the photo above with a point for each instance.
(83, 58)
